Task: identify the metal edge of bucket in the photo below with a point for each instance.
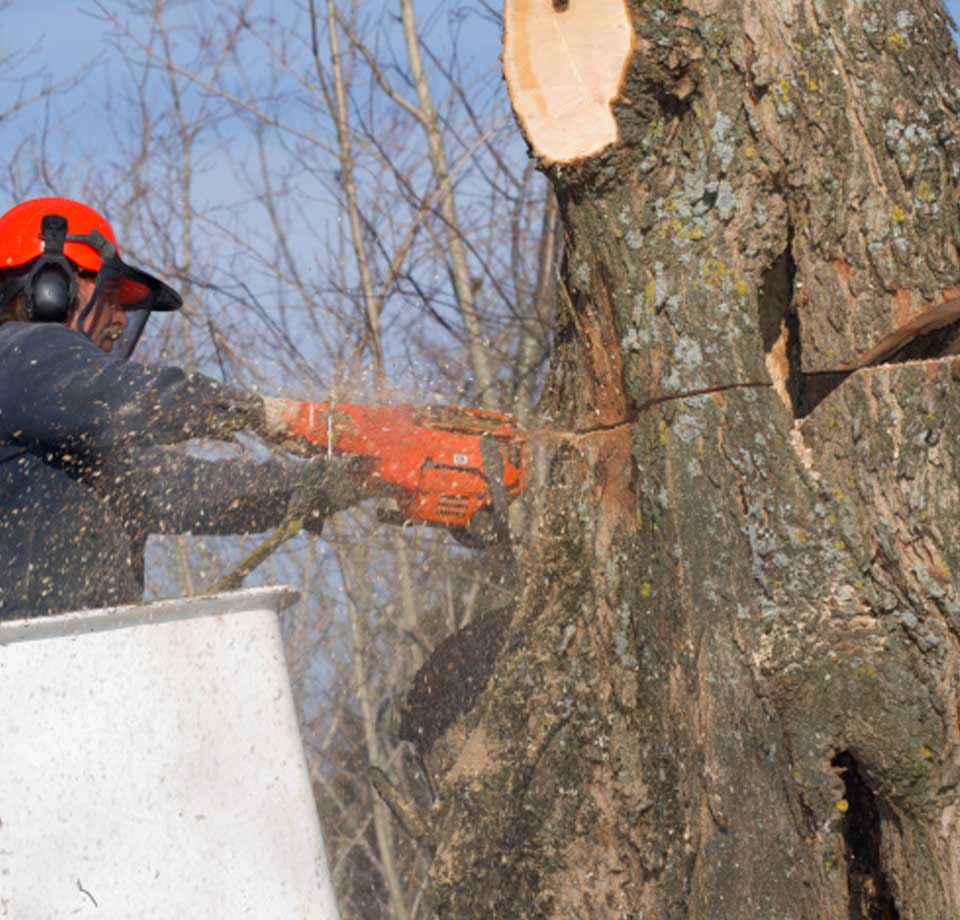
(79, 622)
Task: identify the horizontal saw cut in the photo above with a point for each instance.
(564, 62)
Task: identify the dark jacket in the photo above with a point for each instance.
(86, 472)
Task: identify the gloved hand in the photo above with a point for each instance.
(325, 487)
(278, 415)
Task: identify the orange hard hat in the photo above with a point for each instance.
(21, 242)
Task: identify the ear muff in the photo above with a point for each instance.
(50, 290)
(50, 295)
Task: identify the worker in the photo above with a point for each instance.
(87, 470)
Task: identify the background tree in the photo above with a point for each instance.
(731, 686)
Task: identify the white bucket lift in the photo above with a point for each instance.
(151, 766)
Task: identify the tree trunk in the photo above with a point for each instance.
(730, 689)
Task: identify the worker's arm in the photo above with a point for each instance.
(59, 392)
(161, 490)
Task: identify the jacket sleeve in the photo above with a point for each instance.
(59, 392)
(163, 490)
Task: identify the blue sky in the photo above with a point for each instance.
(65, 36)
(59, 39)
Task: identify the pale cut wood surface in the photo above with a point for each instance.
(563, 68)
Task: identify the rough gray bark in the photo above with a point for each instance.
(730, 689)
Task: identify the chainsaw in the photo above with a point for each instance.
(443, 466)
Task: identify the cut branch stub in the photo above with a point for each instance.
(564, 62)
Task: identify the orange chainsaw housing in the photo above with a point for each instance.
(428, 459)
